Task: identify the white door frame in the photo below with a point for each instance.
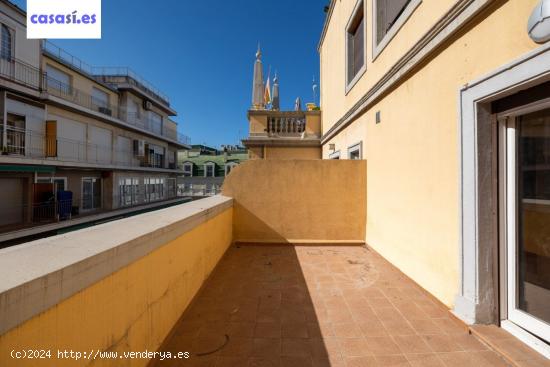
(508, 231)
(477, 299)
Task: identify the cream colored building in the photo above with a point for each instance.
(104, 134)
(447, 101)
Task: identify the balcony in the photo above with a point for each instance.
(275, 276)
(20, 72)
(167, 129)
(108, 75)
(269, 131)
(29, 144)
(284, 124)
(118, 76)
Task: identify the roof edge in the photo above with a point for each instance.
(325, 25)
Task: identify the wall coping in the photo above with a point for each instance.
(37, 275)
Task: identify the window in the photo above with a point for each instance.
(15, 134)
(6, 44)
(91, 193)
(170, 187)
(154, 189)
(100, 100)
(209, 169)
(229, 166)
(133, 110)
(58, 79)
(188, 169)
(356, 151)
(390, 15)
(128, 191)
(355, 32)
(156, 122)
(156, 156)
(334, 155)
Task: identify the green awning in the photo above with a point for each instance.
(20, 168)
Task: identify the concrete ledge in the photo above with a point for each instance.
(38, 275)
(300, 242)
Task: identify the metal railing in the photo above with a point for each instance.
(198, 190)
(184, 139)
(66, 57)
(105, 74)
(55, 210)
(68, 93)
(21, 72)
(117, 75)
(32, 144)
(284, 123)
(167, 129)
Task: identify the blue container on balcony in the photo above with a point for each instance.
(64, 204)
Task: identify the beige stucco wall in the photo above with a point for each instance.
(257, 123)
(284, 152)
(413, 213)
(26, 50)
(295, 201)
(293, 152)
(79, 81)
(131, 310)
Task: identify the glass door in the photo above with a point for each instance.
(526, 137)
(91, 193)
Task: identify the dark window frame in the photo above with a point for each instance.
(356, 35)
(380, 43)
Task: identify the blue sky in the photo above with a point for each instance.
(201, 54)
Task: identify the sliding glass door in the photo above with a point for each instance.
(525, 139)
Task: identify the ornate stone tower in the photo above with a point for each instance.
(258, 83)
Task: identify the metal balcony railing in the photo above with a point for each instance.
(106, 74)
(118, 75)
(21, 72)
(55, 210)
(68, 93)
(285, 123)
(31, 144)
(166, 128)
(109, 76)
(199, 190)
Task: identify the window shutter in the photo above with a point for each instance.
(359, 47)
(387, 13)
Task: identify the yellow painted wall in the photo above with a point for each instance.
(255, 152)
(298, 200)
(313, 123)
(293, 152)
(413, 154)
(257, 123)
(282, 152)
(131, 310)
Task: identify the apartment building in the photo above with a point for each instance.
(448, 102)
(205, 168)
(77, 139)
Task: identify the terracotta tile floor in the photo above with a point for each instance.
(318, 306)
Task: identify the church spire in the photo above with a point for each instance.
(275, 104)
(258, 83)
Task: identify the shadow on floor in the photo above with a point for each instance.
(285, 306)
